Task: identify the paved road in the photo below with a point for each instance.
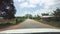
(29, 23)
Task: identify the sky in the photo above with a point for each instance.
(35, 7)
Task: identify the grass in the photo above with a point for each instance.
(12, 21)
(2, 21)
(36, 18)
(54, 23)
(7, 23)
(20, 19)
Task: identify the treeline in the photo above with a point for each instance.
(55, 15)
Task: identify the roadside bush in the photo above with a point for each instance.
(20, 19)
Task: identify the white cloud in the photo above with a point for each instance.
(29, 4)
(19, 0)
(47, 2)
(49, 5)
(26, 5)
(39, 12)
(34, 1)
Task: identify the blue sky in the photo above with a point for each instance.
(35, 7)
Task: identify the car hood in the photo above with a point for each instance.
(32, 30)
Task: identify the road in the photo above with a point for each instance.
(29, 23)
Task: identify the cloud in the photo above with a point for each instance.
(19, 0)
(48, 5)
(27, 5)
(34, 1)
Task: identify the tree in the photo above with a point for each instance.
(7, 9)
(45, 14)
(28, 16)
(37, 17)
(57, 14)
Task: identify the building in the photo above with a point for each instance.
(47, 18)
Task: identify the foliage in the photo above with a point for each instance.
(45, 14)
(20, 19)
(37, 17)
(28, 16)
(12, 21)
(57, 14)
(53, 23)
(7, 9)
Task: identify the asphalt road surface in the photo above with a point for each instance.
(29, 23)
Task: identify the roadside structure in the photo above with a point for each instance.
(47, 18)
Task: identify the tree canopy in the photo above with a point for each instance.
(7, 9)
(45, 14)
(57, 13)
(28, 16)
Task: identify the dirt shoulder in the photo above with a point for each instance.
(11, 27)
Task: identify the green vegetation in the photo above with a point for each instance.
(56, 24)
(36, 17)
(56, 21)
(12, 21)
(20, 19)
(57, 14)
(8, 11)
(45, 14)
(28, 16)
